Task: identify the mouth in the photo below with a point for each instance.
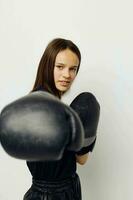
(64, 83)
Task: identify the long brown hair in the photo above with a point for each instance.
(45, 77)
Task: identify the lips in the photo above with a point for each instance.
(64, 83)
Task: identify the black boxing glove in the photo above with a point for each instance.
(38, 127)
(88, 109)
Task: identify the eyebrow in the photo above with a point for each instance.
(64, 64)
(59, 63)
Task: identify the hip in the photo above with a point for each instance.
(67, 189)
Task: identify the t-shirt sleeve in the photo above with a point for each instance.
(87, 149)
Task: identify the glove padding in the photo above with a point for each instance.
(88, 109)
(38, 127)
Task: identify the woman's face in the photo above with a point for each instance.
(65, 69)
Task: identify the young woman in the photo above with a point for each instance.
(57, 180)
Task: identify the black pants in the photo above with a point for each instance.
(69, 189)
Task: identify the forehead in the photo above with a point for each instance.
(67, 57)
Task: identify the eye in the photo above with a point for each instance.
(59, 67)
(74, 69)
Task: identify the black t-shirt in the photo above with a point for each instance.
(54, 170)
(57, 170)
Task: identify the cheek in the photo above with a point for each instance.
(73, 76)
(56, 74)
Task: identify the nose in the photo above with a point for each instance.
(66, 73)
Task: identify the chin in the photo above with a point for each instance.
(63, 89)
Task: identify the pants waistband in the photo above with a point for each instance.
(43, 185)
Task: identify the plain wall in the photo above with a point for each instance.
(103, 31)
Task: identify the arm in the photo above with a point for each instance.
(82, 159)
(88, 109)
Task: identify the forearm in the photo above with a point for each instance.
(82, 159)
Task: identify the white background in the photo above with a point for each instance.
(103, 30)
